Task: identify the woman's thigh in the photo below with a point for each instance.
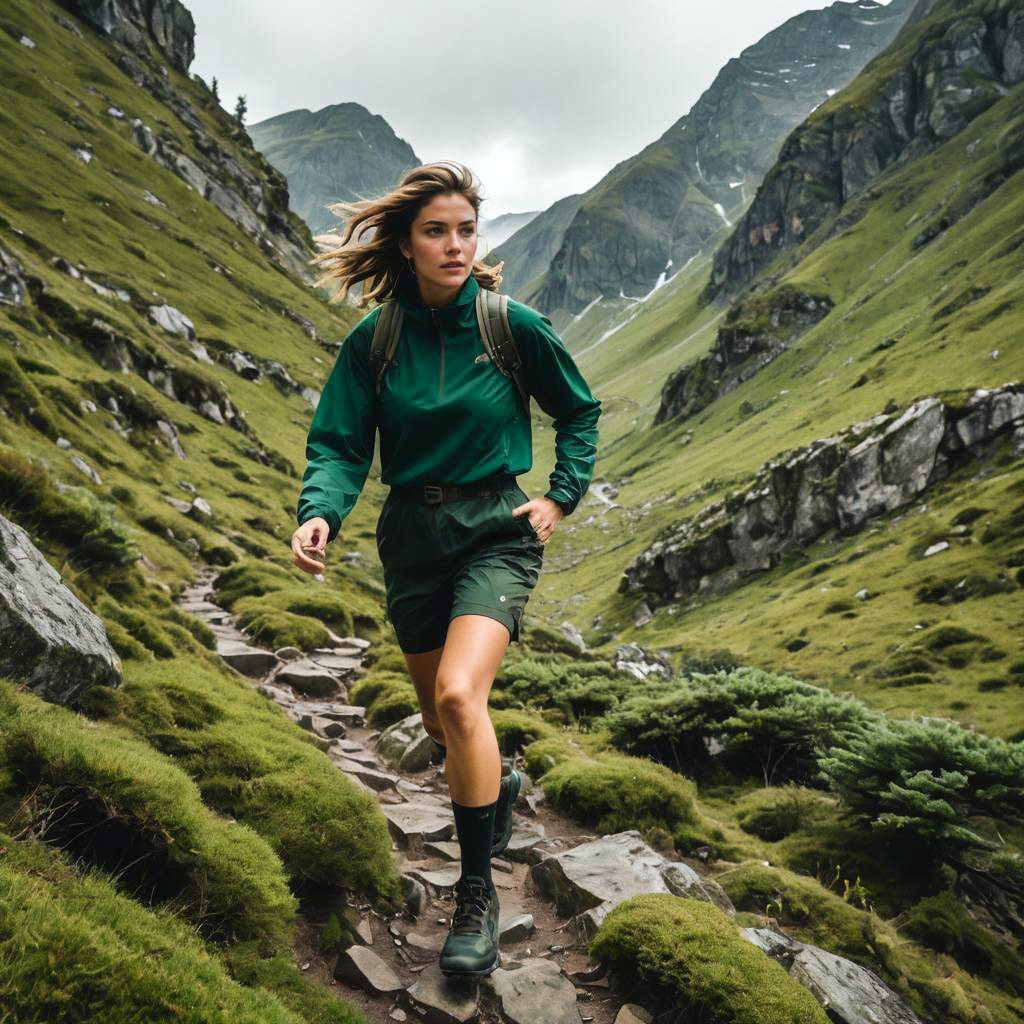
(423, 672)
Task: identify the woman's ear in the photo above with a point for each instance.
(404, 248)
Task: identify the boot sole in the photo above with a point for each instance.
(506, 835)
(474, 974)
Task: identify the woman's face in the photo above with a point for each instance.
(442, 243)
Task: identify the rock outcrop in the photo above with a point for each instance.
(837, 482)
(755, 331)
(849, 993)
(940, 73)
(168, 23)
(653, 212)
(48, 638)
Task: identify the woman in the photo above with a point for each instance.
(461, 544)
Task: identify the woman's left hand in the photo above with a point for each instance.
(544, 515)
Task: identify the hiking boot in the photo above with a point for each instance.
(507, 794)
(471, 949)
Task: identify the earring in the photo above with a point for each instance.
(412, 268)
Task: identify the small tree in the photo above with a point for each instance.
(240, 110)
(213, 88)
(933, 781)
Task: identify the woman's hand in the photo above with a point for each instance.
(544, 515)
(311, 534)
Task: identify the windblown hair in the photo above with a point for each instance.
(378, 262)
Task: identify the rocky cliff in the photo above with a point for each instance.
(168, 23)
(755, 332)
(835, 483)
(656, 210)
(951, 62)
(219, 161)
(341, 152)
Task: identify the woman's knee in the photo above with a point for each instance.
(459, 703)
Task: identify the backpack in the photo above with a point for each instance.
(491, 318)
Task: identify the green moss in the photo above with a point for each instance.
(941, 923)
(773, 813)
(21, 398)
(74, 948)
(613, 792)
(274, 628)
(254, 764)
(516, 730)
(691, 957)
(129, 808)
(542, 755)
(278, 976)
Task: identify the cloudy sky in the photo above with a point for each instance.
(540, 99)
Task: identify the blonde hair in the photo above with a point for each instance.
(379, 262)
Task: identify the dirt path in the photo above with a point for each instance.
(557, 939)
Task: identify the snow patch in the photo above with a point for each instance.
(720, 210)
(843, 46)
(831, 92)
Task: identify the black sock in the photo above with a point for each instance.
(475, 827)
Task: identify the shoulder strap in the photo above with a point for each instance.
(386, 332)
(499, 342)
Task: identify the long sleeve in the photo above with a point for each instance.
(562, 393)
(340, 445)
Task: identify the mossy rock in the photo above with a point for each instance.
(616, 792)
(71, 940)
(252, 763)
(129, 809)
(516, 730)
(543, 755)
(377, 684)
(688, 956)
(774, 812)
(274, 628)
(249, 579)
(393, 706)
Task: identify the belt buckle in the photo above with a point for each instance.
(432, 493)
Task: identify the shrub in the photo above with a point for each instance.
(941, 923)
(933, 781)
(691, 958)
(769, 725)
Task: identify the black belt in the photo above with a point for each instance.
(434, 493)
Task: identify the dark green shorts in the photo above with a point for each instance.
(452, 558)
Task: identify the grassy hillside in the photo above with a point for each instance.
(225, 811)
(907, 322)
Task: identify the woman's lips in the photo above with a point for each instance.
(452, 266)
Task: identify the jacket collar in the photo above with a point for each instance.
(408, 297)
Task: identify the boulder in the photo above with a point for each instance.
(849, 993)
(592, 878)
(48, 638)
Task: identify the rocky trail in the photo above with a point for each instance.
(545, 976)
(555, 881)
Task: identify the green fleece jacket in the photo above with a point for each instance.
(447, 415)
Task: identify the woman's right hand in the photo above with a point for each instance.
(312, 533)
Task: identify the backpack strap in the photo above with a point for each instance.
(499, 342)
(386, 332)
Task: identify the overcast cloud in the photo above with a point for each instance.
(540, 99)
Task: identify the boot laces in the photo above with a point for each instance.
(472, 901)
